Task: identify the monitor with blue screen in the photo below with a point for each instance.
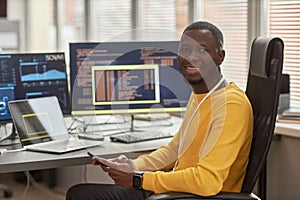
(126, 78)
(32, 75)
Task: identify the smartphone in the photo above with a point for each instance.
(90, 154)
(95, 136)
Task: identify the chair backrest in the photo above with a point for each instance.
(263, 90)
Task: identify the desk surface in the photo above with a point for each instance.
(27, 160)
(288, 129)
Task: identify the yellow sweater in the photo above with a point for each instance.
(213, 154)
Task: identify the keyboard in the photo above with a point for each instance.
(139, 136)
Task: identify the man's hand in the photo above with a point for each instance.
(121, 163)
(120, 178)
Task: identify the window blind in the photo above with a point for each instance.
(182, 16)
(111, 20)
(118, 20)
(285, 23)
(158, 20)
(232, 18)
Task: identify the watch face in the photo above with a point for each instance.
(137, 181)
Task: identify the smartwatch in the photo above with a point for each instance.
(137, 180)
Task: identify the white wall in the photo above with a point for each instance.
(68, 176)
(283, 169)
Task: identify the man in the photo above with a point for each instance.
(209, 153)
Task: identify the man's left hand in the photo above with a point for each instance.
(120, 178)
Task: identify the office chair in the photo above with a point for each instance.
(6, 191)
(263, 89)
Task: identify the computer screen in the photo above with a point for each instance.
(126, 77)
(25, 76)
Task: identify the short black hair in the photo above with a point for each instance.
(216, 32)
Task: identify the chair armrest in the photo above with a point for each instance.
(221, 195)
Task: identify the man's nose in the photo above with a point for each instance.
(194, 55)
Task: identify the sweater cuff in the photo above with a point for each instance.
(139, 163)
(146, 184)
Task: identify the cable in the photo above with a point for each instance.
(13, 150)
(31, 180)
(27, 185)
(6, 136)
(111, 120)
(43, 189)
(165, 123)
(85, 173)
(83, 125)
(70, 126)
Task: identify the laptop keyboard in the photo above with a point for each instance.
(139, 136)
(62, 146)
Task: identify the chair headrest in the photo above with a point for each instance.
(260, 56)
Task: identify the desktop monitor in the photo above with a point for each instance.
(32, 75)
(126, 78)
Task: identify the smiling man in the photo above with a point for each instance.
(209, 153)
(200, 56)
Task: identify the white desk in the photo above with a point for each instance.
(26, 160)
(283, 161)
(288, 129)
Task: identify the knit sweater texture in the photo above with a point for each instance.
(210, 151)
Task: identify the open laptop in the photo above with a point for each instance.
(41, 127)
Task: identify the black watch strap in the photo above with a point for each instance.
(137, 180)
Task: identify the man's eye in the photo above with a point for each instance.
(184, 50)
(202, 50)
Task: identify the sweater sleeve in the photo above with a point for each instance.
(161, 159)
(228, 155)
(164, 157)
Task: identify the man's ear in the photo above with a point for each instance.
(221, 56)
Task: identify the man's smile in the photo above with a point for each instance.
(191, 70)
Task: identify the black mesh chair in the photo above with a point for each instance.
(263, 89)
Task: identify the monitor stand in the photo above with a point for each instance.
(13, 134)
(132, 127)
(115, 130)
(140, 128)
(9, 139)
(85, 125)
(154, 118)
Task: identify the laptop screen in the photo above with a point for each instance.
(38, 120)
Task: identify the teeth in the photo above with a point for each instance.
(190, 67)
